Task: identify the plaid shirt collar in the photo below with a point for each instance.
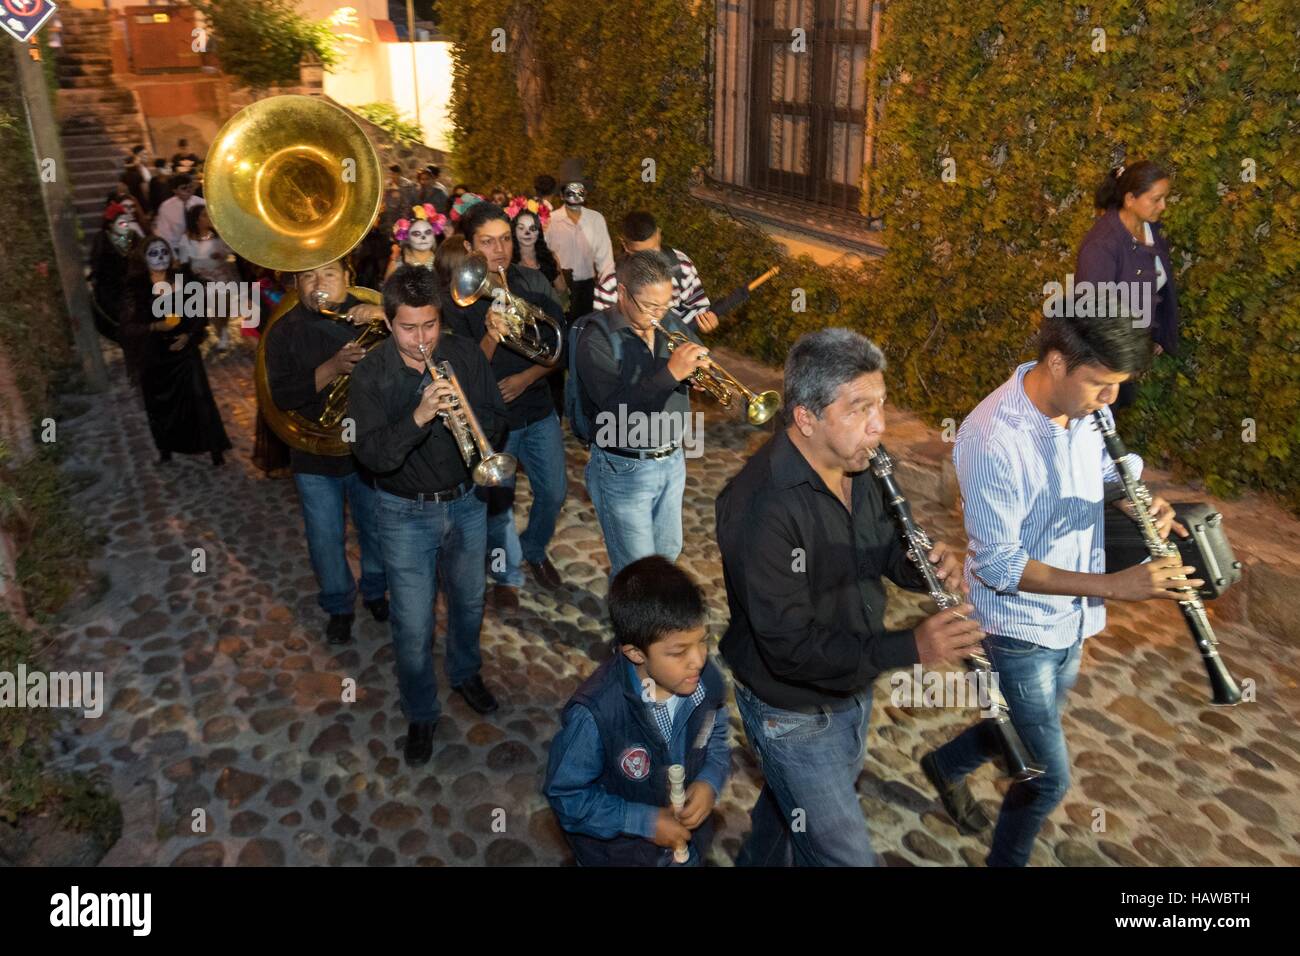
(663, 717)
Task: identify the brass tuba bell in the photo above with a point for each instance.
(292, 183)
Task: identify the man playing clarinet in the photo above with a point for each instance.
(806, 540)
(1033, 473)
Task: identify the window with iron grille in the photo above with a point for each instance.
(791, 94)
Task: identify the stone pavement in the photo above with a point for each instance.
(225, 699)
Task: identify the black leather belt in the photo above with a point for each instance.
(450, 494)
(642, 453)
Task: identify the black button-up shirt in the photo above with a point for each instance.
(803, 579)
(535, 403)
(639, 383)
(298, 343)
(407, 458)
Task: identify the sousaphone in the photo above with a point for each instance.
(292, 183)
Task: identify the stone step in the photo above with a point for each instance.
(84, 82)
(104, 159)
(87, 149)
(88, 61)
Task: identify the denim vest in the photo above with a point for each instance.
(636, 759)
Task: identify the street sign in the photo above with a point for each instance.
(22, 18)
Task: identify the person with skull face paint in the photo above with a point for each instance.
(416, 239)
(110, 257)
(305, 352)
(163, 358)
(536, 438)
(579, 238)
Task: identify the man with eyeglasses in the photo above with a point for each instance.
(635, 392)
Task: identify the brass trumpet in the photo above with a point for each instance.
(471, 281)
(722, 385)
(493, 467)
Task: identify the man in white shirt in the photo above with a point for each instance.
(580, 240)
(170, 221)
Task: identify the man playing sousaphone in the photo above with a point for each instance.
(432, 519)
(305, 352)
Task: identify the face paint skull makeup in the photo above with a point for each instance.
(158, 256)
(122, 224)
(420, 237)
(526, 231)
(575, 194)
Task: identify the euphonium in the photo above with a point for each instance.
(493, 467)
(472, 281)
(724, 386)
(336, 402)
(292, 183)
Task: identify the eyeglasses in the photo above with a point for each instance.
(653, 312)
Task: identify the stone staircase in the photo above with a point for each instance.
(99, 119)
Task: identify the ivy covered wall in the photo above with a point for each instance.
(1032, 111)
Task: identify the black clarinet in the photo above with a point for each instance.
(1019, 761)
(1223, 689)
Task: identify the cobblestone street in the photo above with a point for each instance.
(224, 697)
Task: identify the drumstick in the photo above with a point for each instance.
(677, 794)
(764, 277)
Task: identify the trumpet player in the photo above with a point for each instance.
(535, 439)
(305, 353)
(628, 374)
(431, 516)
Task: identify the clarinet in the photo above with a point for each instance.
(1018, 758)
(1223, 689)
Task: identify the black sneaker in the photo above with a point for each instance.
(339, 629)
(419, 742)
(957, 798)
(477, 695)
(378, 608)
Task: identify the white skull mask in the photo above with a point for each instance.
(123, 224)
(420, 237)
(158, 256)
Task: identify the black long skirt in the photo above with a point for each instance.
(183, 415)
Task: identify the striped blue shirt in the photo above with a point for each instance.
(1032, 489)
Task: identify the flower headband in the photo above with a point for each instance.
(402, 228)
(462, 205)
(113, 210)
(542, 210)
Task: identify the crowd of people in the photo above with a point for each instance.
(805, 533)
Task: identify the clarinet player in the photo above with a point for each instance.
(1033, 472)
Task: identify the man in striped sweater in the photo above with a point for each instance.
(641, 232)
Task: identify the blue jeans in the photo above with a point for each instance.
(808, 812)
(1034, 680)
(420, 540)
(639, 505)
(322, 499)
(540, 449)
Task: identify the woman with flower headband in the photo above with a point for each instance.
(529, 219)
(416, 238)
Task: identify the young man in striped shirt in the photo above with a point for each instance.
(1035, 477)
(640, 233)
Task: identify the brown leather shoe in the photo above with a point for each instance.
(505, 598)
(546, 573)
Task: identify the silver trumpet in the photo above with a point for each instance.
(533, 334)
(493, 467)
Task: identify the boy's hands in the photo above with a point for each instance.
(699, 804)
(668, 831)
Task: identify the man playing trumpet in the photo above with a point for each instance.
(629, 375)
(305, 352)
(431, 517)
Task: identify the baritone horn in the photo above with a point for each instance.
(722, 385)
(533, 334)
(493, 467)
